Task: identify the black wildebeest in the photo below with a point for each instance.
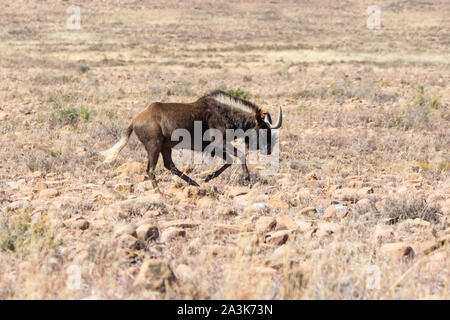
(216, 110)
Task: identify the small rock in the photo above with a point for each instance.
(128, 169)
(245, 200)
(277, 238)
(125, 229)
(131, 243)
(37, 174)
(264, 271)
(398, 250)
(172, 233)
(364, 205)
(326, 229)
(227, 228)
(308, 210)
(286, 222)
(333, 211)
(3, 116)
(40, 186)
(255, 208)
(383, 233)
(265, 224)
(278, 204)
(147, 232)
(238, 191)
(280, 255)
(183, 272)
(363, 192)
(80, 223)
(153, 274)
(182, 223)
(311, 176)
(123, 188)
(100, 223)
(346, 194)
(206, 203)
(48, 193)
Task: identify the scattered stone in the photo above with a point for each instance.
(326, 229)
(255, 208)
(303, 226)
(225, 211)
(3, 116)
(308, 210)
(311, 176)
(245, 200)
(383, 233)
(40, 186)
(338, 210)
(128, 169)
(48, 194)
(265, 224)
(80, 223)
(364, 205)
(182, 223)
(194, 193)
(398, 250)
(37, 174)
(265, 271)
(153, 274)
(280, 255)
(172, 233)
(238, 191)
(147, 232)
(413, 225)
(206, 203)
(123, 188)
(131, 243)
(363, 192)
(227, 228)
(277, 238)
(346, 194)
(183, 272)
(278, 204)
(286, 222)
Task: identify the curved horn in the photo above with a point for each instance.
(279, 121)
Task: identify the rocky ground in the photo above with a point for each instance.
(360, 205)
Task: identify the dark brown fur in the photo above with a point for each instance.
(156, 123)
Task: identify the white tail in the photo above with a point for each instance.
(112, 153)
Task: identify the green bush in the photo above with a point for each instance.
(240, 93)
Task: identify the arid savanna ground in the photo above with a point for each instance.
(360, 205)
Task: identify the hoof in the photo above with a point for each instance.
(195, 184)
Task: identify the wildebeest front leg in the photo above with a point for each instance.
(236, 153)
(169, 165)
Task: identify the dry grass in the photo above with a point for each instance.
(365, 128)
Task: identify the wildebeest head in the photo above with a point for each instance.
(264, 139)
(254, 124)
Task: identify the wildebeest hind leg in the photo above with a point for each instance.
(169, 165)
(153, 155)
